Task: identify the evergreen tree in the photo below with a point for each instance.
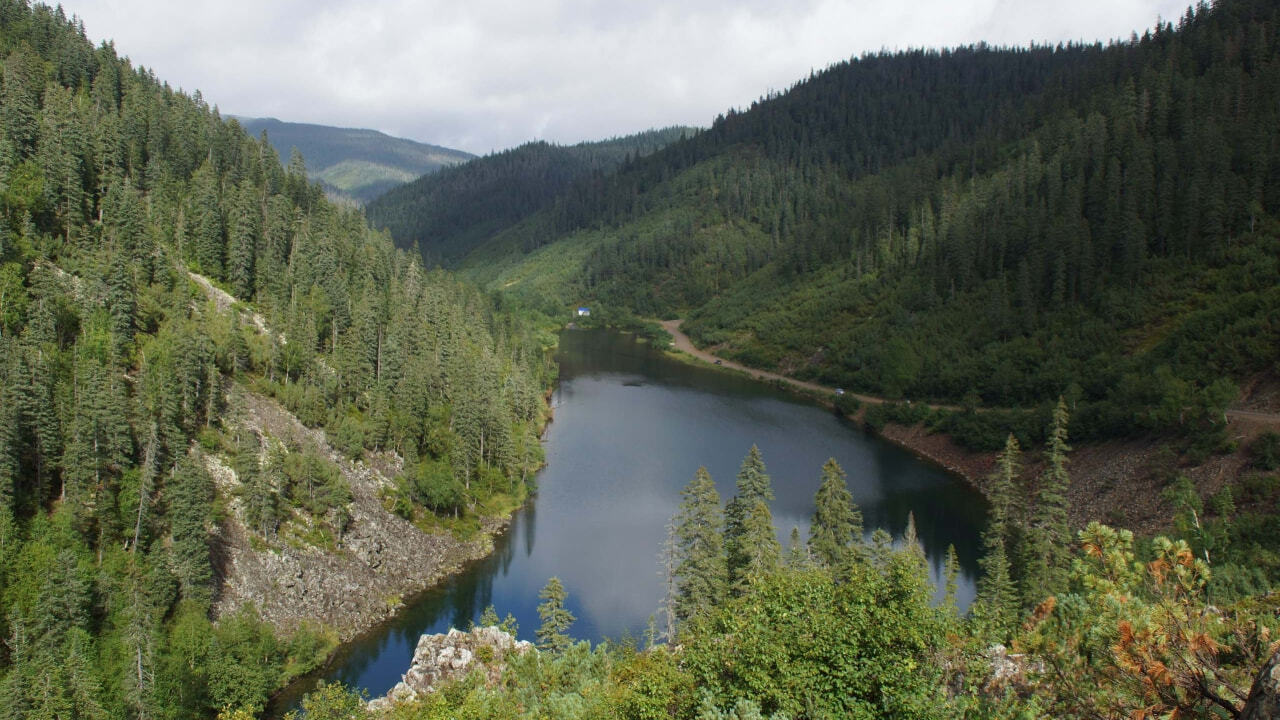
(753, 485)
(206, 244)
(881, 548)
(1048, 535)
(553, 634)
(951, 575)
(700, 561)
(246, 226)
(760, 550)
(798, 555)
(835, 534)
(190, 500)
(998, 596)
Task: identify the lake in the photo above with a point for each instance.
(632, 425)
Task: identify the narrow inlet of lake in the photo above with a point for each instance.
(631, 427)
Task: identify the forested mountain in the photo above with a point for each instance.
(122, 203)
(447, 214)
(354, 163)
(987, 226)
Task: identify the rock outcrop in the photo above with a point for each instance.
(450, 656)
(380, 560)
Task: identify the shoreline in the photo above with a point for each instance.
(1107, 478)
(899, 435)
(466, 553)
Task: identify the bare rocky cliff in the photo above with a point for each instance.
(445, 657)
(380, 559)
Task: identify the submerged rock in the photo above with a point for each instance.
(445, 657)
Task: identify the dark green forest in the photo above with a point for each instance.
(118, 194)
(448, 213)
(1082, 241)
(980, 226)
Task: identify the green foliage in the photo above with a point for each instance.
(700, 571)
(1108, 234)
(835, 534)
(855, 651)
(556, 619)
(331, 701)
(115, 367)
(449, 212)
(1266, 451)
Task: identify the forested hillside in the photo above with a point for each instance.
(447, 214)
(122, 204)
(981, 226)
(353, 163)
(1095, 624)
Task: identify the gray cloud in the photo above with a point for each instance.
(487, 74)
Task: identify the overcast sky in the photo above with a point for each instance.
(482, 75)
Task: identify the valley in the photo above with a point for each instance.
(277, 399)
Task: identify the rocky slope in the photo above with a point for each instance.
(380, 559)
(444, 657)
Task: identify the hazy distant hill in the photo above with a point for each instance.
(355, 163)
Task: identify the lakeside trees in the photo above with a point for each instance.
(1130, 632)
(116, 366)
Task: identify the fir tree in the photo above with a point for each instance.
(835, 535)
(700, 561)
(753, 485)
(1049, 535)
(761, 553)
(556, 619)
(190, 499)
(951, 575)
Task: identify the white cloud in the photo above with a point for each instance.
(489, 74)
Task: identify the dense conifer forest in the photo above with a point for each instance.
(122, 199)
(446, 215)
(1084, 239)
(979, 226)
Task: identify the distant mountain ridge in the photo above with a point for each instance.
(449, 214)
(972, 226)
(354, 163)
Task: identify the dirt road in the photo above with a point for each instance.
(684, 344)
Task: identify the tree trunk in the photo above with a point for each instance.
(1264, 696)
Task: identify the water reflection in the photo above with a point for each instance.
(631, 428)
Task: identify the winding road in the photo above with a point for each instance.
(685, 345)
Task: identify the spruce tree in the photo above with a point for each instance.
(797, 553)
(951, 575)
(881, 548)
(1049, 534)
(998, 599)
(753, 485)
(556, 619)
(835, 535)
(246, 224)
(760, 550)
(190, 501)
(701, 576)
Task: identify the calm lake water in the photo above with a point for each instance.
(631, 428)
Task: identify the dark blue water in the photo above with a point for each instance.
(631, 427)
